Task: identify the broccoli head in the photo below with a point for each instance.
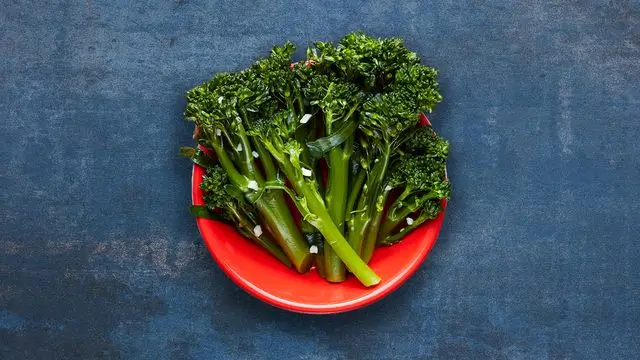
(425, 141)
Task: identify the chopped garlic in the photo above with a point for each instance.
(253, 185)
(255, 154)
(409, 221)
(313, 249)
(257, 231)
(239, 147)
(218, 132)
(388, 188)
(305, 118)
(306, 172)
(220, 99)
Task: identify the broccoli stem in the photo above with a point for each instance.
(316, 130)
(246, 156)
(228, 165)
(370, 241)
(245, 226)
(320, 265)
(270, 170)
(336, 198)
(313, 208)
(270, 245)
(392, 222)
(400, 210)
(273, 209)
(289, 104)
(355, 186)
(269, 167)
(301, 106)
(369, 205)
(302, 135)
(275, 212)
(390, 239)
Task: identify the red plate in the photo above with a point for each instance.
(262, 276)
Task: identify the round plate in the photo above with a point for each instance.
(262, 276)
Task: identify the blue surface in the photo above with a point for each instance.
(539, 256)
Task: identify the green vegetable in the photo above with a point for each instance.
(286, 85)
(276, 132)
(224, 108)
(337, 102)
(386, 122)
(338, 135)
(421, 176)
(422, 181)
(221, 195)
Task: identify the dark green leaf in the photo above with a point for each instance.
(197, 156)
(202, 211)
(321, 146)
(187, 151)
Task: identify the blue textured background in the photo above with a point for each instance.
(539, 257)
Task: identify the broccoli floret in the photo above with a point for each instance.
(370, 63)
(420, 83)
(423, 181)
(421, 174)
(284, 85)
(388, 115)
(425, 141)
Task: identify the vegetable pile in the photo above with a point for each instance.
(320, 161)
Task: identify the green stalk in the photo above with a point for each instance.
(302, 135)
(320, 265)
(399, 211)
(270, 170)
(245, 227)
(268, 244)
(368, 205)
(313, 208)
(300, 100)
(316, 124)
(227, 164)
(246, 156)
(371, 238)
(392, 222)
(273, 209)
(334, 238)
(357, 223)
(275, 212)
(289, 104)
(378, 198)
(336, 199)
(392, 239)
(355, 186)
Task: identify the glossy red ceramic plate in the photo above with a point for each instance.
(254, 270)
